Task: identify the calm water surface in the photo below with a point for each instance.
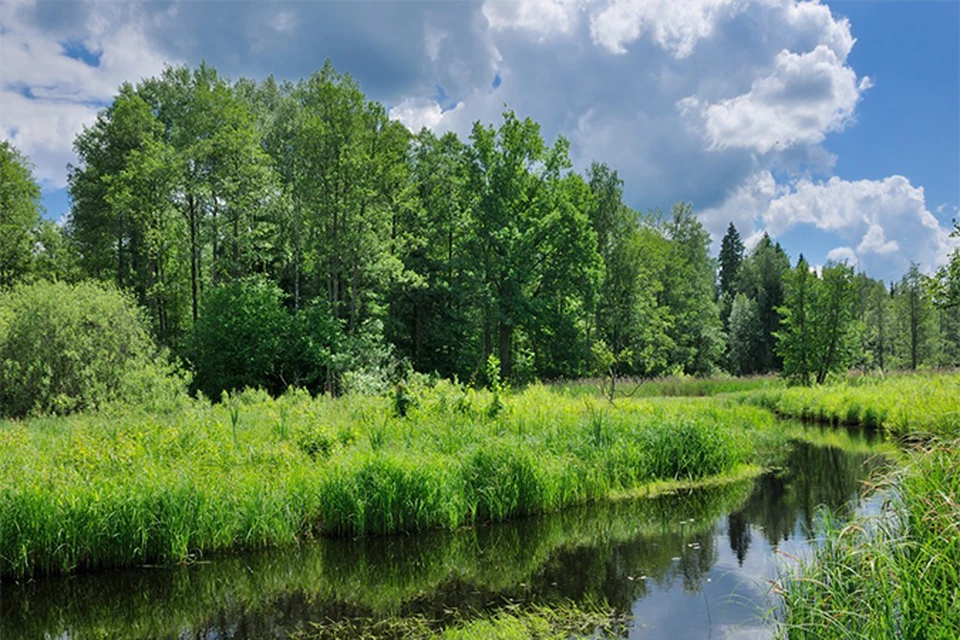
(696, 564)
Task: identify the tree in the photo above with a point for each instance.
(628, 317)
(836, 326)
(944, 285)
(796, 337)
(914, 313)
(731, 255)
(761, 278)
(433, 318)
(531, 237)
(745, 334)
(688, 290)
(19, 215)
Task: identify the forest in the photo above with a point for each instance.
(281, 234)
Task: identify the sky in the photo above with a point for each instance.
(832, 126)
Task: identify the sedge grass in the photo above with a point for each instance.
(891, 576)
(129, 487)
(378, 578)
(914, 405)
(669, 386)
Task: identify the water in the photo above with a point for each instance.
(696, 564)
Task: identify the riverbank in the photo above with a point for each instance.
(126, 488)
(920, 406)
(895, 574)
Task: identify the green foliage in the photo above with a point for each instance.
(902, 405)
(745, 336)
(19, 215)
(69, 347)
(135, 487)
(761, 278)
(915, 331)
(731, 256)
(245, 337)
(820, 331)
(688, 290)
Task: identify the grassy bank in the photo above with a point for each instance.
(370, 579)
(128, 488)
(916, 405)
(892, 576)
(668, 387)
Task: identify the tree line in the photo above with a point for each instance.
(291, 233)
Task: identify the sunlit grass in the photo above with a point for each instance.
(561, 622)
(896, 575)
(129, 487)
(678, 386)
(915, 405)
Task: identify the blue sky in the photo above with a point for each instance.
(831, 126)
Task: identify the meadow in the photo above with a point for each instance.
(123, 487)
(916, 405)
(669, 386)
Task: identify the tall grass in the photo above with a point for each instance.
(892, 576)
(106, 490)
(672, 386)
(925, 405)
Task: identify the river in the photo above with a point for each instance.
(692, 564)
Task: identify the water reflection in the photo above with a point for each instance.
(693, 564)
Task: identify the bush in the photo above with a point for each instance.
(65, 347)
(245, 338)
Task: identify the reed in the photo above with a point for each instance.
(893, 575)
(670, 386)
(915, 405)
(125, 487)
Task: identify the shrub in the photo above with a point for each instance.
(69, 347)
(237, 340)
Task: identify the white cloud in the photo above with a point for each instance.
(675, 25)
(884, 223)
(842, 254)
(416, 114)
(47, 96)
(805, 97)
(541, 17)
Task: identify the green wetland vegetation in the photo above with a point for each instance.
(109, 489)
(621, 562)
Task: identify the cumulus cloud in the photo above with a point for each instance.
(541, 17)
(885, 224)
(48, 95)
(675, 25)
(415, 114)
(806, 96)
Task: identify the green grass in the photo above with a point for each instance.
(127, 487)
(683, 386)
(914, 405)
(896, 575)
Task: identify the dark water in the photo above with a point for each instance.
(696, 564)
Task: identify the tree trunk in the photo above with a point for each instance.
(506, 353)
